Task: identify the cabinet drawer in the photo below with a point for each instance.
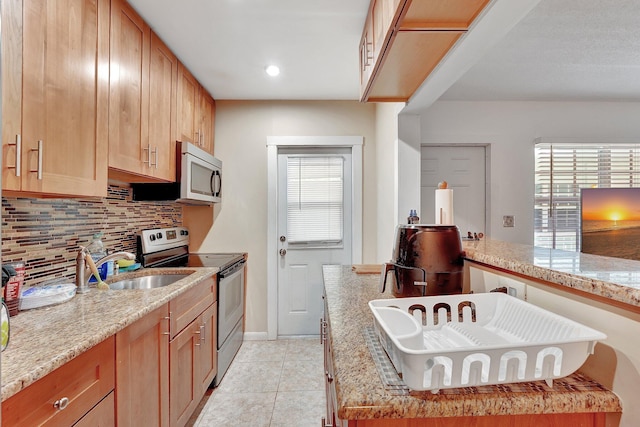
(188, 306)
(102, 415)
(84, 381)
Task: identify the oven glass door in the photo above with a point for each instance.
(230, 303)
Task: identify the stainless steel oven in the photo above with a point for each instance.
(169, 247)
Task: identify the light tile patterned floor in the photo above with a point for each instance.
(270, 384)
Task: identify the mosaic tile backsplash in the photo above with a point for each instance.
(45, 233)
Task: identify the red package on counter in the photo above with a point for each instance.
(14, 285)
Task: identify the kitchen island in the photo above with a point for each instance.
(357, 395)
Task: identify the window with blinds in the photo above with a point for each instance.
(561, 170)
(315, 200)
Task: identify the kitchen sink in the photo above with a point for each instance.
(147, 282)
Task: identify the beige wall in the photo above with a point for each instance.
(240, 221)
(387, 177)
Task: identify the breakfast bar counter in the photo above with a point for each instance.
(359, 394)
(612, 280)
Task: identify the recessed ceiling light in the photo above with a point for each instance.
(272, 70)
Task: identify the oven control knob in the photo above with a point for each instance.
(152, 237)
(159, 235)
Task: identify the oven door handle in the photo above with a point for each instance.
(231, 270)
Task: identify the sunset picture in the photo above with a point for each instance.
(611, 222)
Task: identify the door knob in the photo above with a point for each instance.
(282, 238)
(283, 252)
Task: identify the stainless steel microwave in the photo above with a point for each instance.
(199, 179)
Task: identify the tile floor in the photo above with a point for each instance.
(269, 384)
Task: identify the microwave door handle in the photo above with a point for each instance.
(219, 183)
(216, 191)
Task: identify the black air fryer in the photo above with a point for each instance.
(427, 261)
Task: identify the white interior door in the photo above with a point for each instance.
(464, 170)
(314, 229)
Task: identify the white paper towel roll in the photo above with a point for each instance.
(444, 206)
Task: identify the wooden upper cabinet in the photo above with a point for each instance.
(128, 89)
(441, 14)
(410, 38)
(142, 103)
(163, 84)
(196, 111)
(54, 96)
(207, 114)
(188, 92)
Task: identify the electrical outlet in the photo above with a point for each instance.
(508, 221)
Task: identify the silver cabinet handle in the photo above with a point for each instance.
(148, 150)
(203, 334)
(18, 145)
(61, 404)
(155, 158)
(197, 344)
(40, 149)
(168, 319)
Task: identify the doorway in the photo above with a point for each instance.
(315, 219)
(464, 169)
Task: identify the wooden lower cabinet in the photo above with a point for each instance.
(542, 420)
(102, 415)
(65, 395)
(142, 371)
(193, 365)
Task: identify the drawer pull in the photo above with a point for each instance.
(18, 145)
(197, 344)
(61, 404)
(38, 150)
(168, 319)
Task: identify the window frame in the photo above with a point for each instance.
(562, 168)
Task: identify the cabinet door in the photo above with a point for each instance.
(366, 54)
(64, 95)
(142, 374)
(184, 349)
(207, 359)
(207, 117)
(163, 83)
(128, 89)
(188, 92)
(11, 94)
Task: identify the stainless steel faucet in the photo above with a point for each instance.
(83, 273)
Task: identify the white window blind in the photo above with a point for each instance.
(315, 199)
(561, 170)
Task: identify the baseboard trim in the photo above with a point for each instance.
(256, 336)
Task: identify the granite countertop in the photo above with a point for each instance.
(46, 338)
(615, 279)
(361, 393)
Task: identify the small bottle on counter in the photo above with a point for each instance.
(97, 251)
(413, 217)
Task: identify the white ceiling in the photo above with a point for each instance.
(561, 50)
(228, 43)
(581, 50)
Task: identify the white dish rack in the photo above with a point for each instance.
(443, 342)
